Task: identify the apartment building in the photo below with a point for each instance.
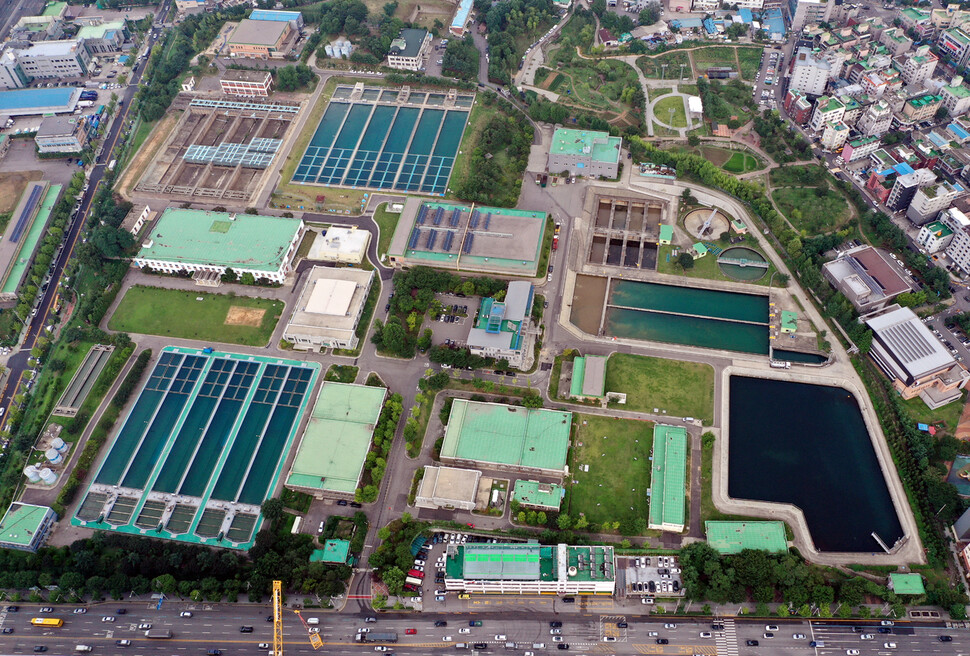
(917, 68)
(859, 148)
(954, 44)
(827, 109)
(956, 97)
(896, 41)
(875, 120)
(930, 200)
(810, 72)
(922, 107)
(808, 12)
(834, 135)
(905, 187)
(934, 237)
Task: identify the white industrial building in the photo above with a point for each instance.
(346, 245)
(448, 487)
(329, 309)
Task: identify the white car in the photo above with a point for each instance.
(771, 627)
(890, 622)
(447, 639)
(889, 645)
(108, 618)
(465, 630)
(652, 634)
(851, 652)
(609, 638)
(557, 638)
(185, 613)
(867, 636)
(707, 634)
(670, 626)
(80, 611)
(380, 648)
(798, 636)
(501, 638)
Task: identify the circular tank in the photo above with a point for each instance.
(30, 471)
(53, 455)
(59, 444)
(48, 476)
(742, 263)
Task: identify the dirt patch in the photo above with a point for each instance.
(717, 156)
(136, 167)
(12, 185)
(244, 316)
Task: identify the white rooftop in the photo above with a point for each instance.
(909, 343)
(330, 296)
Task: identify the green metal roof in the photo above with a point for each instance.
(959, 91)
(576, 382)
(337, 437)
(54, 9)
(507, 435)
(334, 551)
(908, 584)
(939, 228)
(666, 232)
(240, 241)
(789, 321)
(668, 475)
(599, 145)
(548, 495)
(529, 562)
(98, 31)
(21, 522)
(501, 561)
(732, 537)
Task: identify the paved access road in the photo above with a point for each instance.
(219, 627)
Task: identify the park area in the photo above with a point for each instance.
(741, 163)
(732, 161)
(657, 385)
(609, 466)
(812, 210)
(666, 66)
(670, 110)
(197, 315)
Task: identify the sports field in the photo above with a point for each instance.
(197, 315)
(201, 448)
(614, 489)
(681, 389)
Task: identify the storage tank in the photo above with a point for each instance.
(346, 49)
(53, 455)
(30, 471)
(48, 476)
(59, 444)
(328, 49)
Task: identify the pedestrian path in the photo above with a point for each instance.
(727, 640)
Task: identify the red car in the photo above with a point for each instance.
(409, 632)
(472, 525)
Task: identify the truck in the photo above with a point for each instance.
(85, 103)
(385, 636)
(780, 364)
(161, 634)
(555, 242)
(111, 165)
(413, 581)
(544, 181)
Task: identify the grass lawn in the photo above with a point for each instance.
(662, 111)
(750, 60)
(659, 91)
(586, 83)
(704, 58)
(689, 89)
(706, 267)
(615, 487)
(175, 313)
(682, 389)
(306, 244)
(653, 66)
(950, 413)
(387, 222)
(797, 175)
(741, 163)
(661, 131)
(810, 212)
(342, 373)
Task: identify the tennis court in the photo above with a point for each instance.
(383, 142)
(201, 448)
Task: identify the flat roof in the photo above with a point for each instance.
(891, 281)
(908, 584)
(337, 438)
(450, 484)
(19, 102)
(666, 232)
(534, 493)
(330, 303)
(508, 435)
(334, 551)
(54, 9)
(531, 562)
(21, 522)
(245, 75)
(331, 296)
(258, 32)
(99, 31)
(408, 42)
(668, 476)
(239, 241)
(598, 145)
(733, 537)
(909, 342)
(57, 126)
(589, 376)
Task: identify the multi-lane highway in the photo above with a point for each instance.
(17, 363)
(222, 627)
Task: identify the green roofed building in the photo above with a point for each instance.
(732, 537)
(25, 526)
(207, 243)
(334, 551)
(666, 234)
(584, 152)
(330, 458)
(530, 569)
(589, 377)
(541, 496)
(789, 321)
(906, 584)
(668, 478)
(507, 437)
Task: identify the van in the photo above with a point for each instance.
(461, 645)
(313, 620)
(82, 648)
(817, 643)
(538, 645)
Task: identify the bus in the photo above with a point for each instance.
(158, 633)
(47, 621)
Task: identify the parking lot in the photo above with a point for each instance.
(649, 577)
(431, 559)
(767, 87)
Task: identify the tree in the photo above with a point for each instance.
(582, 522)
(384, 533)
(693, 140)
(272, 509)
(564, 522)
(687, 198)
(686, 261)
(165, 584)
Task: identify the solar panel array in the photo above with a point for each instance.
(413, 241)
(473, 221)
(422, 215)
(257, 154)
(488, 219)
(438, 215)
(24, 219)
(449, 237)
(455, 218)
(432, 238)
(467, 247)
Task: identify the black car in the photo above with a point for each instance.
(40, 648)
(555, 625)
(121, 611)
(751, 643)
(857, 629)
(480, 645)
(213, 652)
(341, 502)
(441, 623)
(884, 629)
(717, 627)
(245, 629)
(569, 600)
(652, 586)
(354, 504)
(7, 630)
(13, 609)
(945, 638)
(269, 618)
(622, 625)
(663, 641)
(563, 645)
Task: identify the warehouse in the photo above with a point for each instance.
(25, 526)
(448, 487)
(39, 102)
(202, 243)
(529, 569)
(585, 153)
(262, 39)
(329, 309)
(344, 245)
(507, 437)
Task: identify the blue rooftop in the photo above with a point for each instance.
(746, 15)
(959, 132)
(461, 16)
(709, 26)
(903, 168)
(938, 139)
(688, 23)
(773, 22)
(19, 99)
(274, 15)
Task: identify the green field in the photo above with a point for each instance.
(949, 414)
(750, 59)
(342, 373)
(741, 163)
(704, 58)
(797, 175)
(659, 91)
(812, 210)
(598, 85)
(175, 313)
(681, 389)
(387, 222)
(653, 66)
(614, 489)
(662, 111)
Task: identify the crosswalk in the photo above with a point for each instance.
(727, 640)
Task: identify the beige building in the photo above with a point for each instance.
(329, 309)
(261, 39)
(346, 245)
(448, 487)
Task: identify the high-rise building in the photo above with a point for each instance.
(875, 121)
(905, 186)
(810, 72)
(917, 68)
(929, 201)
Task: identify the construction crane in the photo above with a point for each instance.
(277, 618)
(315, 640)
